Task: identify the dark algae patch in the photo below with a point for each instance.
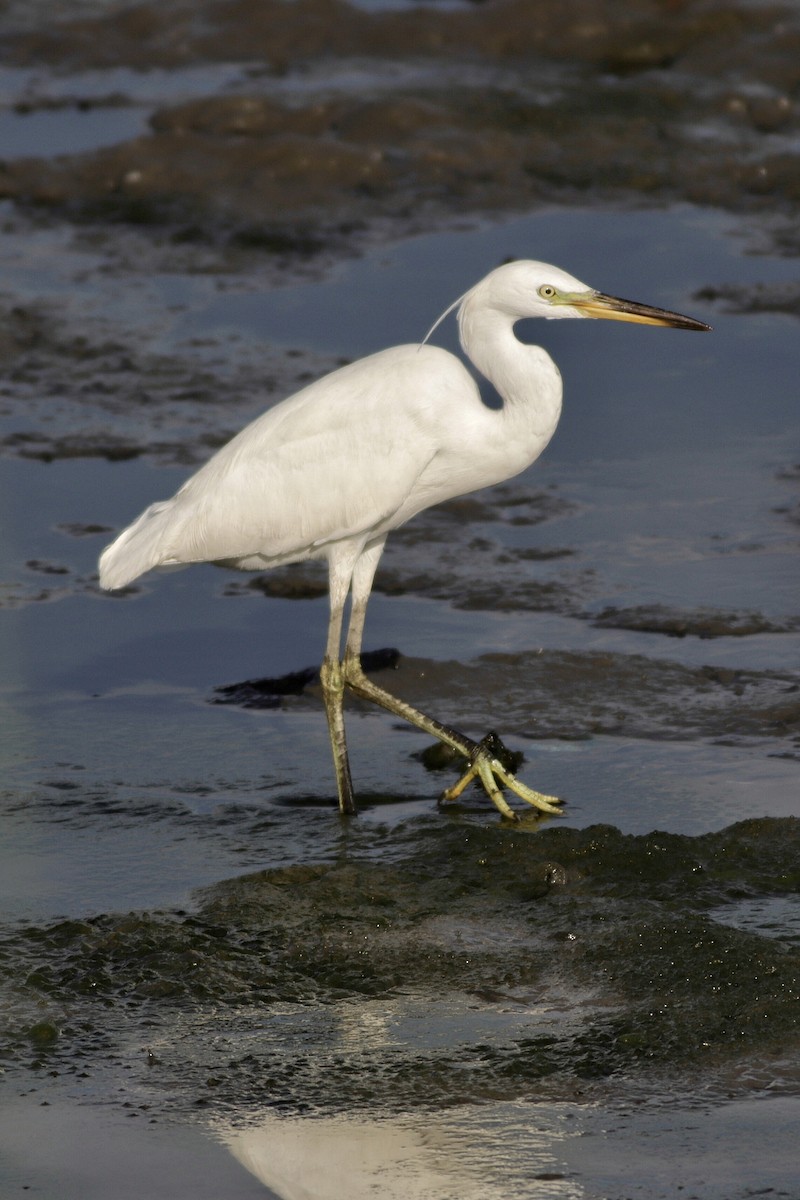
(594, 954)
(510, 105)
(569, 694)
(701, 623)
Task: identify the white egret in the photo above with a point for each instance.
(331, 470)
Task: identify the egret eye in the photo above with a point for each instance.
(547, 291)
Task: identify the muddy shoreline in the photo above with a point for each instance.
(341, 118)
(203, 206)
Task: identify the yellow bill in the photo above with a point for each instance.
(612, 308)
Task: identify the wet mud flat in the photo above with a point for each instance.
(202, 965)
(460, 971)
(296, 127)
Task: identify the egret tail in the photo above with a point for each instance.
(138, 549)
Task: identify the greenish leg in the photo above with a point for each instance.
(481, 756)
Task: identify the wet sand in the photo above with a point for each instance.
(205, 206)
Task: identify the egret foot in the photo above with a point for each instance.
(489, 760)
(485, 764)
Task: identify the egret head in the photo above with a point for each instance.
(525, 288)
(533, 289)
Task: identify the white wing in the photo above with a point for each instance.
(338, 459)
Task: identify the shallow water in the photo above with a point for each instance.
(559, 994)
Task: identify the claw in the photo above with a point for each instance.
(488, 759)
(484, 762)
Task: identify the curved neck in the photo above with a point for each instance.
(526, 378)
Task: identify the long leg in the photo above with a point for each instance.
(357, 681)
(332, 679)
(481, 756)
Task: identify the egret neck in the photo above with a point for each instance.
(525, 377)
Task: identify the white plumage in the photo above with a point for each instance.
(331, 470)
